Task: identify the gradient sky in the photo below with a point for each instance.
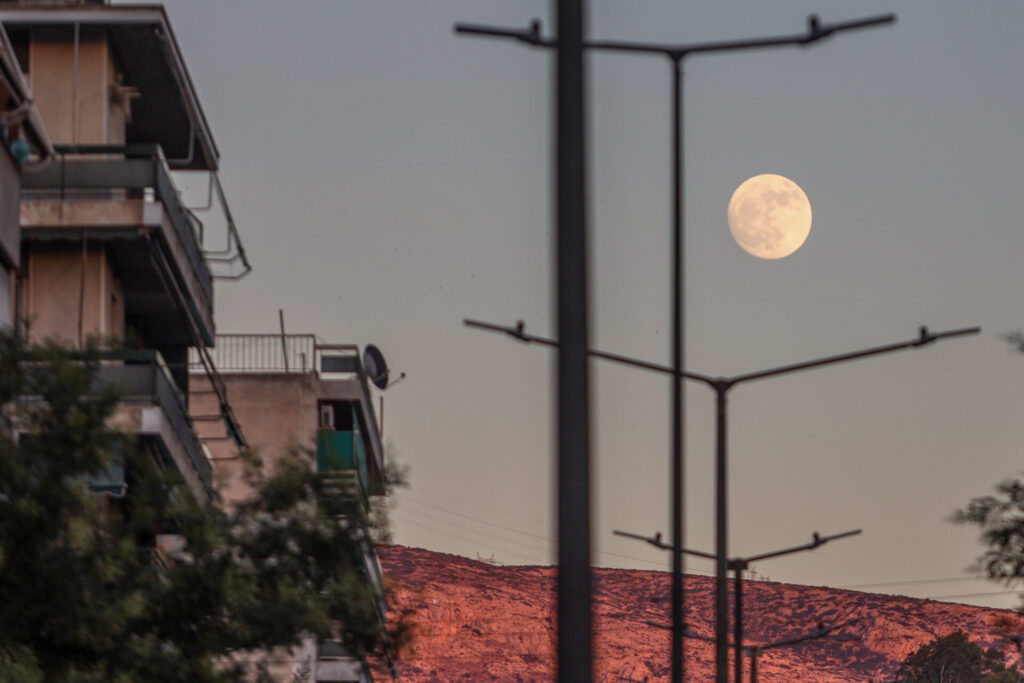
(390, 179)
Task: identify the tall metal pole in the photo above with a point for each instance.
(737, 617)
(678, 406)
(721, 550)
(574, 593)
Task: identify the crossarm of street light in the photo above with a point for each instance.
(821, 632)
(816, 31)
(924, 338)
(530, 35)
(656, 541)
(519, 332)
(816, 541)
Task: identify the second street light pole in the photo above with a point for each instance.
(722, 386)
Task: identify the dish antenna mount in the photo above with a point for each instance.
(376, 367)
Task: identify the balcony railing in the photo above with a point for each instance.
(91, 171)
(265, 353)
(144, 378)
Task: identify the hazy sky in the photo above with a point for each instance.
(390, 179)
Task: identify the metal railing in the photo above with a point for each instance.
(92, 171)
(277, 353)
(265, 353)
(145, 377)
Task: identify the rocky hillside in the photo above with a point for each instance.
(480, 622)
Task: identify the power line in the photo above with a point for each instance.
(478, 531)
(970, 595)
(475, 519)
(916, 581)
(432, 493)
(526, 533)
(467, 540)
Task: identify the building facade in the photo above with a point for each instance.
(293, 395)
(109, 251)
(99, 248)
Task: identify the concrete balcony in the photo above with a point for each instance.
(152, 406)
(124, 197)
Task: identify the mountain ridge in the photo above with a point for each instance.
(483, 622)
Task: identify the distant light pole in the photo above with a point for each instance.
(816, 31)
(738, 565)
(721, 387)
(754, 651)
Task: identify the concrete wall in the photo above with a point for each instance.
(277, 412)
(97, 116)
(53, 301)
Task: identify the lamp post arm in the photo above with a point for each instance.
(530, 35)
(817, 541)
(820, 633)
(519, 333)
(816, 31)
(656, 541)
(925, 338)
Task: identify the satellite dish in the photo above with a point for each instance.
(376, 366)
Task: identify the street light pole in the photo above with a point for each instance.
(755, 650)
(575, 658)
(738, 565)
(721, 387)
(570, 44)
(678, 395)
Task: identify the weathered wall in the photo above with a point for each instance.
(277, 413)
(53, 299)
(92, 119)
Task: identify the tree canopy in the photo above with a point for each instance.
(955, 659)
(84, 594)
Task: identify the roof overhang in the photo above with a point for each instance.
(168, 113)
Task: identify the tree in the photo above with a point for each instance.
(82, 597)
(955, 659)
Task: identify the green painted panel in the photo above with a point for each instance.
(335, 450)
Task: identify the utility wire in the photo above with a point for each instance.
(478, 531)
(475, 519)
(467, 540)
(916, 581)
(970, 595)
(433, 493)
(525, 533)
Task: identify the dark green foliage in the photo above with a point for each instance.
(955, 659)
(1001, 518)
(82, 595)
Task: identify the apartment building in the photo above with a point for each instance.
(109, 250)
(98, 244)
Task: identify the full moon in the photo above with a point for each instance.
(769, 216)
